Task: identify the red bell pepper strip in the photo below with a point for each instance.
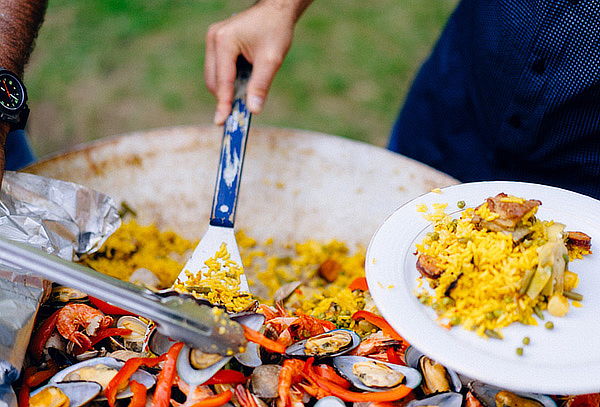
(102, 334)
(37, 378)
(393, 356)
(108, 308)
(378, 322)
(329, 373)
(23, 397)
(226, 376)
(121, 379)
(139, 394)
(396, 393)
(166, 377)
(268, 344)
(43, 333)
(214, 401)
(359, 283)
(108, 332)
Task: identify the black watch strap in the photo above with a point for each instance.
(22, 120)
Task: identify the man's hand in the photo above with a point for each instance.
(263, 35)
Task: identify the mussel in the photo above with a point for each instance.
(448, 399)
(372, 375)
(492, 396)
(62, 294)
(331, 343)
(101, 370)
(196, 367)
(251, 356)
(436, 377)
(71, 394)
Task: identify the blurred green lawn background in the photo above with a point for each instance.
(104, 67)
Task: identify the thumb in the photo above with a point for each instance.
(263, 72)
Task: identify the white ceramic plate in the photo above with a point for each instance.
(565, 360)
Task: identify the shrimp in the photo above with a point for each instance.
(376, 343)
(289, 375)
(471, 401)
(193, 394)
(291, 329)
(74, 316)
(246, 399)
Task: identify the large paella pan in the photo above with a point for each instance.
(308, 206)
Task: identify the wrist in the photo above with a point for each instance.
(290, 8)
(4, 129)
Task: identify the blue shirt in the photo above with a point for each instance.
(511, 91)
(17, 151)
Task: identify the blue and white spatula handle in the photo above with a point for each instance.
(233, 148)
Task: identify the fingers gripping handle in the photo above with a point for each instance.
(233, 148)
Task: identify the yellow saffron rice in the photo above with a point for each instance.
(482, 285)
(268, 265)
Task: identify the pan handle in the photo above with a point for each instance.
(233, 148)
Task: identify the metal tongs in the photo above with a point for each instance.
(200, 326)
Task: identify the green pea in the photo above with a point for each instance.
(549, 325)
(461, 204)
(520, 351)
(434, 236)
(526, 340)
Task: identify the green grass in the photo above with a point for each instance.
(104, 67)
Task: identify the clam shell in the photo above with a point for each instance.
(343, 364)
(486, 393)
(137, 339)
(79, 393)
(298, 349)
(140, 376)
(264, 381)
(251, 356)
(330, 401)
(448, 399)
(412, 357)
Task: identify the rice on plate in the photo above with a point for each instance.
(498, 264)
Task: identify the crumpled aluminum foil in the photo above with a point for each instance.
(59, 217)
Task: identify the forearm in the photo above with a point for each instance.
(20, 21)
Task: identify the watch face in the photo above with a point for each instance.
(12, 95)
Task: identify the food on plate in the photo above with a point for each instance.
(497, 264)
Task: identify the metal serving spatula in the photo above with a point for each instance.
(222, 217)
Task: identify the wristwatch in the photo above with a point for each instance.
(13, 100)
